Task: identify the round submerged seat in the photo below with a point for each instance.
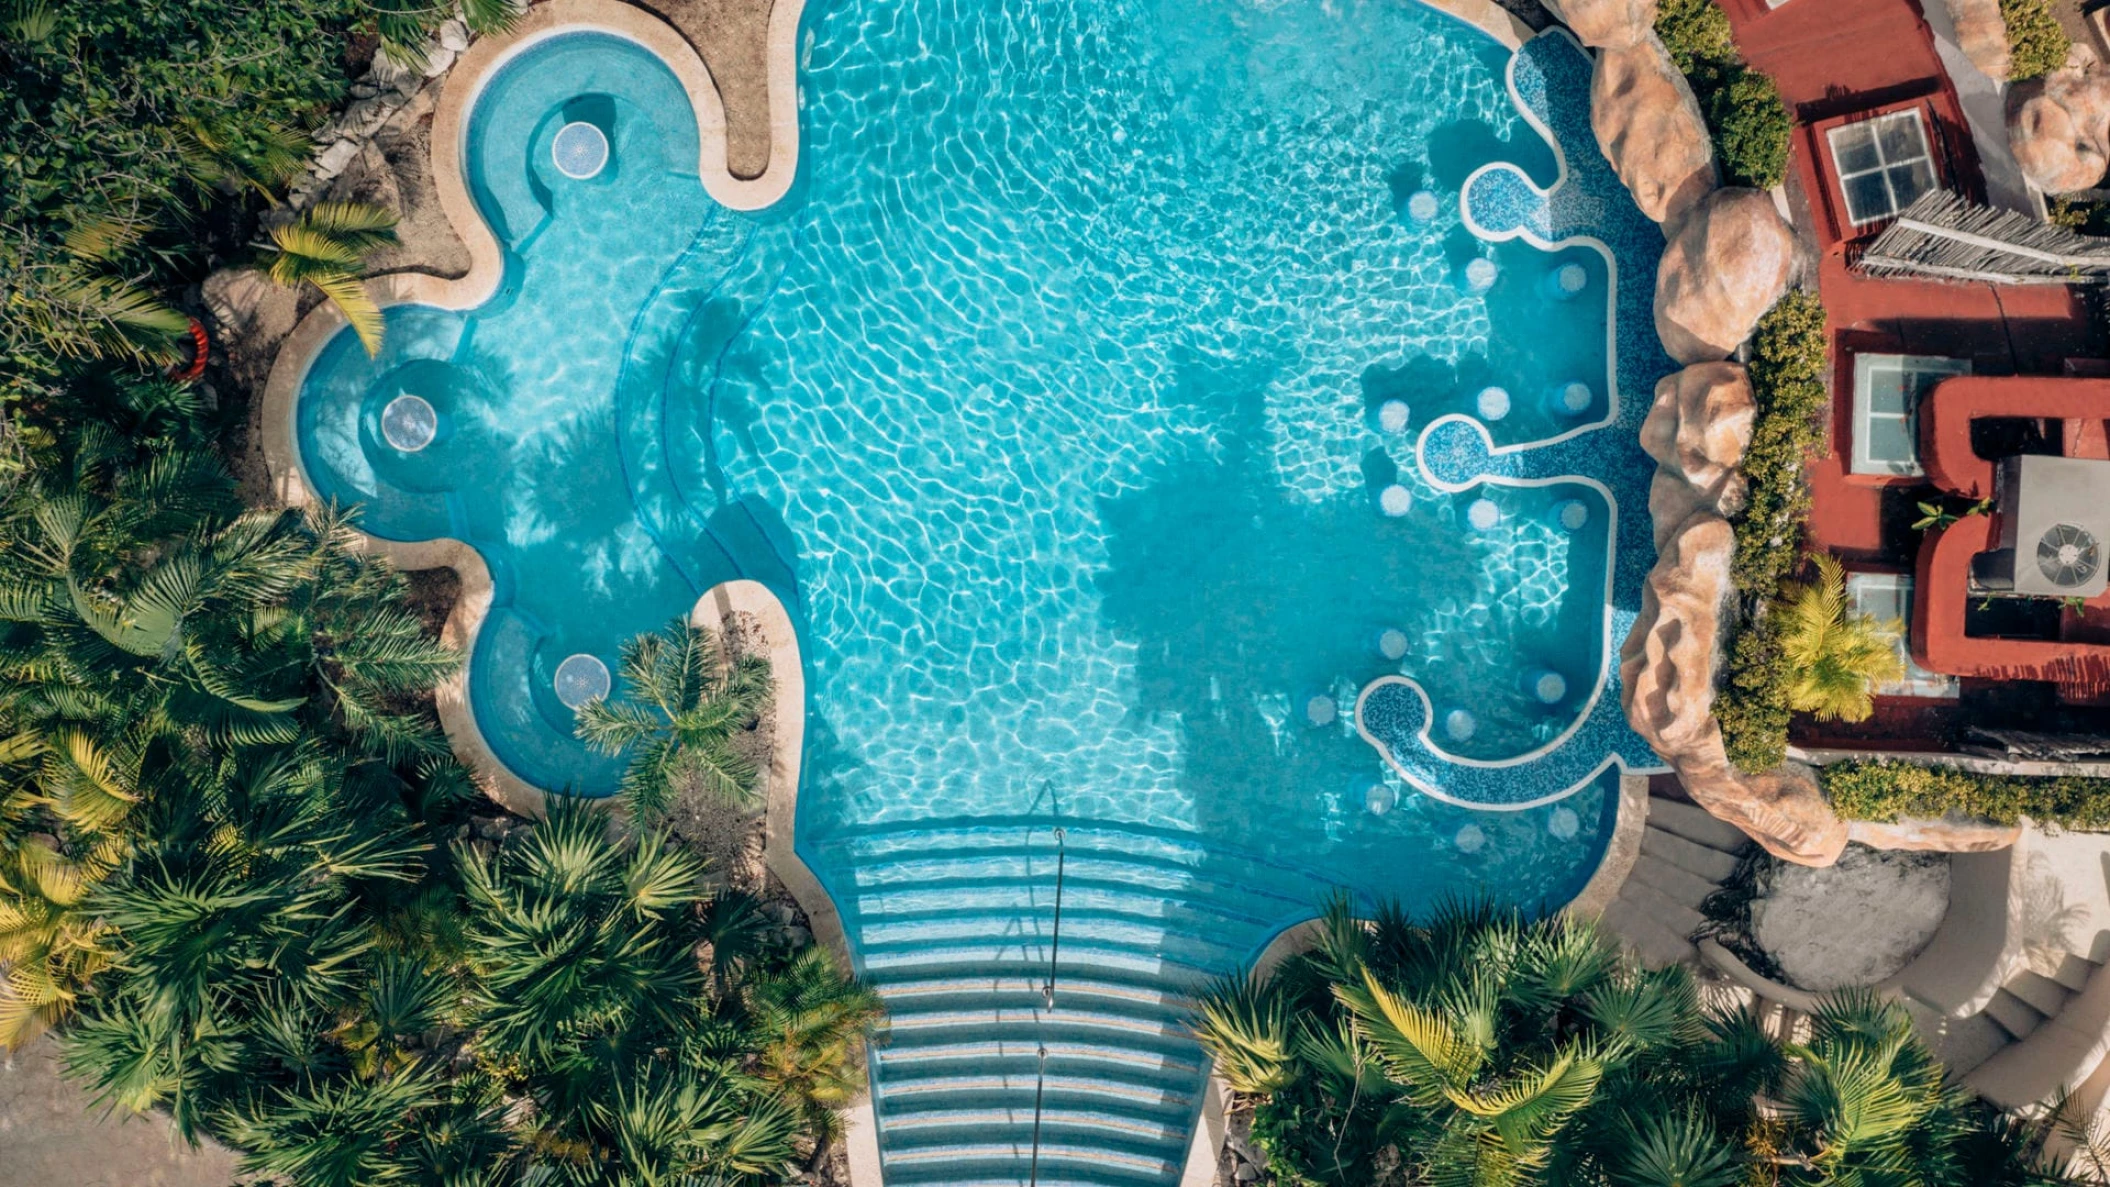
(1421, 207)
(580, 678)
(1571, 514)
(1395, 500)
(1392, 643)
(1492, 403)
(1478, 275)
(1566, 281)
(409, 423)
(1483, 514)
(1546, 687)
(1563, 824)
(1570, 399)
(580, 150)
(1379, 799)
(1470, 839)
(1460, 725)
(1320, 710)
(1392, 416)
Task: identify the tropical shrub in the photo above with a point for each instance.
(327, 247)
(2037, 44)
(1788, 372)
(684, 702)
(1887, 791)
(1835, 656)
(1480, 1047)
(1748, 122)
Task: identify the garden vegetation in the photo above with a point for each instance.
(1788, 362)
(1749, 123)
(1481, 1047)
(243, 880)
(2037, 44)
(1888, 791)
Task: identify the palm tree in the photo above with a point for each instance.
(1835, 655)
(685, 702)
(809, 1023)
(327, 247)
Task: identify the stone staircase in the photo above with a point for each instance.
(1686, 854)
(954, 926)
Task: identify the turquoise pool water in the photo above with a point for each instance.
(1052, 402)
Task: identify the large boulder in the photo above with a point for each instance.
(1607, 24)
(1783, 810)
(1729, 260)
(2059, 129)
(1699, 427)
(1981, 33)
(1667, 663)
(1650, 129)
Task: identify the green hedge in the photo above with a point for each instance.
(2036, 43)
(1788, 367)
(1749, 123)
(1886, 791)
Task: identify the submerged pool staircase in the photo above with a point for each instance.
(1027, 1052)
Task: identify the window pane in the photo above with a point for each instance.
(1854, 149)
(1890, 440)
(1902, 138)
(1910, 181)
(1886, 389)
(1867, 198)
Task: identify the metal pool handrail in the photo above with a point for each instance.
(1047, 997)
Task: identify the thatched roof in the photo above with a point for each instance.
(1943, 236)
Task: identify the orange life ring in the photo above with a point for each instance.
(200, 344)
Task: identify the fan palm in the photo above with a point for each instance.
(809, 1022)
(1836, 656)
(684, 703)
(327, 247)
(1244, 1026)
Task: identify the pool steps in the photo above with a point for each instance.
(954, 926)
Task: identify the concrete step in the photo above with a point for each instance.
(1690, 856)
(1960, 1043)
(1679, 885)
(2074, 970)
(1675, 916)
(1654, 943)
(2043, 994)
(2015, 1016)
(1695, 824)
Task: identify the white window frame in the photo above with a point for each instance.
(1889, 595)
(1926, 370)
(1873, 128)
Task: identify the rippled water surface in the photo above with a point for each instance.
(1048, 400)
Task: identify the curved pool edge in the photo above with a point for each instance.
(279, 444)
(780, 816)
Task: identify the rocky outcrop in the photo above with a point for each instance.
(1981, 33)
(1947, 835)
(1783, 810)
(1667, 664)
(1698, 429)
(1650, 128)
(1728, 262)
(1606, 24)
(2059, 128)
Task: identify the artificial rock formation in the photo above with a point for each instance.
(1607, 24)
(1981, 33)
(1729, 260)
(1698, 429)
(1650, 128)
(2059, 129)
(1666, 666)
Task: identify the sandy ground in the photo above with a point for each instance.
(51, 1136)
(733, 37)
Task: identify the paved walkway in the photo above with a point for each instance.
(51, 1136)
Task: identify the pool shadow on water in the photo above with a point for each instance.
(1459, 147)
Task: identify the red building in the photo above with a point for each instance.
(1915, 416)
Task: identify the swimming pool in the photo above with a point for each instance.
(1056, 403)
